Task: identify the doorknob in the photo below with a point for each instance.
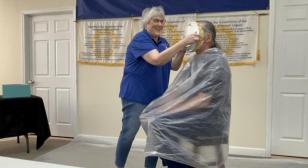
(31, 82)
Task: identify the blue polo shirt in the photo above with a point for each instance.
(143, 82)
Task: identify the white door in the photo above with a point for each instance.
(290, 84)
(53, 70)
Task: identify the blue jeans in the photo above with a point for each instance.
(130, 126)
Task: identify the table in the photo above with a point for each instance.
(20, 116)
(14, 162)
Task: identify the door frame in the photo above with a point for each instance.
(26, 55)
(270, 75)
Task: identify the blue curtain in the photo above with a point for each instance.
(95, 9)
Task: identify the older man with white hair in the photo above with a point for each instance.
(148, 62)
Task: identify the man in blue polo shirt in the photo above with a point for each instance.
(148, 62)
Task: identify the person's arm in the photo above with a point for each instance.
(198, 101)
(213, 75)
(177, 60)
(155, 57)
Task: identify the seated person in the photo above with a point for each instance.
(188, 126)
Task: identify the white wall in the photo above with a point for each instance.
(10, 33)
(100, 108)
(98, 86)
(248, 118)
(10, 60)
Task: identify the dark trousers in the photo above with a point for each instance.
(173, 164)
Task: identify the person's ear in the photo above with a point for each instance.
(208, 38)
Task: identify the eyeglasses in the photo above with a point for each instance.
(156, 20)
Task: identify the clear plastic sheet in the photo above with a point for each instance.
(190, 122)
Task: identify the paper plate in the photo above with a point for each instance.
(194, 27)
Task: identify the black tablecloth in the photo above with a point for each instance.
(19, 116)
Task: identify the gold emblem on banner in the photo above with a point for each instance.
(104, 41)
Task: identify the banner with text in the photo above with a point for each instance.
(103, 41)
(237, 35)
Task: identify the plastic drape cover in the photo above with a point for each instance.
(189, 123)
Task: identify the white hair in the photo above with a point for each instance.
(149, 13)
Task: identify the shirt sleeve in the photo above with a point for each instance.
(140, 45)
